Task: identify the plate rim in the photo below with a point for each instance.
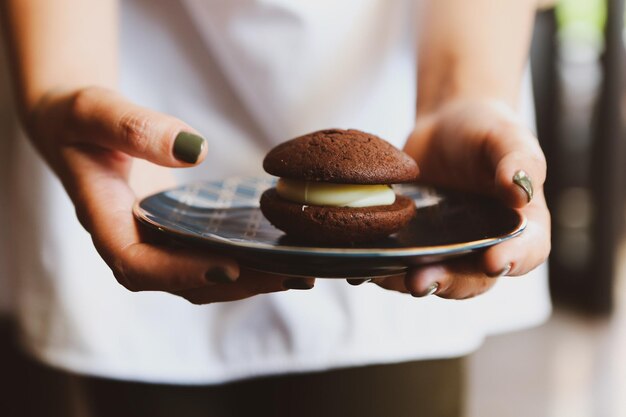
(212, 239)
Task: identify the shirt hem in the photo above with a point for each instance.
(75, 364)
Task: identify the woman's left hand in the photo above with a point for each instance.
(480, 146)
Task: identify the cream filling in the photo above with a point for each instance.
(335, 195)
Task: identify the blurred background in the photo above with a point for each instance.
(575, 364)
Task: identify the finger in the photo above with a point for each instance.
(520, 166)
(458, 280)
(393, 283)
(104, 118)
(145, 267)
(358, 281)
(527, 251)
(104, 206)
(470, 276)
(249, 284)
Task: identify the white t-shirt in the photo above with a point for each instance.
(247, 74)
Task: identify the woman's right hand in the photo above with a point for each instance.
(89, 137)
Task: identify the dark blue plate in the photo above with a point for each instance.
(224, 217)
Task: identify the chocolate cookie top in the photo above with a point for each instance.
(341, 156)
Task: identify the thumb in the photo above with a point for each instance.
(105, 119)
(520, 166)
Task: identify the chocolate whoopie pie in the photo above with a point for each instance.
(335, 187)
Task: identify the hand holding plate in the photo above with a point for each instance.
(481, 147)
(89, 137)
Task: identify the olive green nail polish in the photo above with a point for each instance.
(218, 275)
(522, 180)
(188, 147)
(296, 284)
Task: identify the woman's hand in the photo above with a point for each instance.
(480, 146)
(90, 137)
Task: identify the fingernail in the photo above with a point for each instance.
(219, 275)
(297, 284)
(432, 289)
(504, 271)
(358, 281)
(188, 147)
(522, 180)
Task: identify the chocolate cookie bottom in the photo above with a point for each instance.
(336, 225)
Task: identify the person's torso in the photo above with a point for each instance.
(248, 74)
